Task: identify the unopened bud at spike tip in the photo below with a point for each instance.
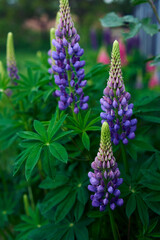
(11, 61)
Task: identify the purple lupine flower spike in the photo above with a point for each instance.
(11, 61)
(115, 103)
(104, 181)
(68, 66)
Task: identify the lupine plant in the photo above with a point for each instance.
(78, 175)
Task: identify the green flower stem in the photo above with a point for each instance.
(31, 197)
(26, 204)
(124, 158)
(113, 224)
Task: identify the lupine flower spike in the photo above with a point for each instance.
(69, 68)
(115, 103)
(105, 178)
(11, 61)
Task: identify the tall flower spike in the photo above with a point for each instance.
(11, 61)
(69, 68)
(104, 182)
(115, 103)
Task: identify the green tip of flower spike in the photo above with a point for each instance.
(105, 135)
(52, 36)
(64, 3)
(115, 51)
(10, 47)
(2, 72)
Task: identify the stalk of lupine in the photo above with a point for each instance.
(50, 59)
(11, 61)
(105, 178)
(115, 103)
(69, 68)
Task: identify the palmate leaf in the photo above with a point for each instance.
(58, 181)
(29, 135)
(78, 210)
(40, 129)
(64, 208)
(29, 223)
(86, 140)
(20, 159)
(131, 205)
(65, 230)
(53, 128)
(31, 154)
(142, 210)
(54, 198)
(58, 151)
(32, 160)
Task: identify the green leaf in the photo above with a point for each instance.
(69, 235)
(154, 206)
(32, 160)
(83, 195)
(64, 208)
(143, 145)
(54, 128)
(96, 214)
(142, 210)
(134, 29)
(78, 210)
(137, 2)
(152, 226)
(58, 181)
(156, 60)
(86, 140)
(150, 118)
(61, 135)
(86, 118)
(93, 128)
(81, 233)
(58, 151)
(20, 159)
(29, 135)
(48, 163)
(111, 20)
(131, 205)
(59, 195)
(40, 129)
(97, 119)
(149, 28)
(132, 151)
